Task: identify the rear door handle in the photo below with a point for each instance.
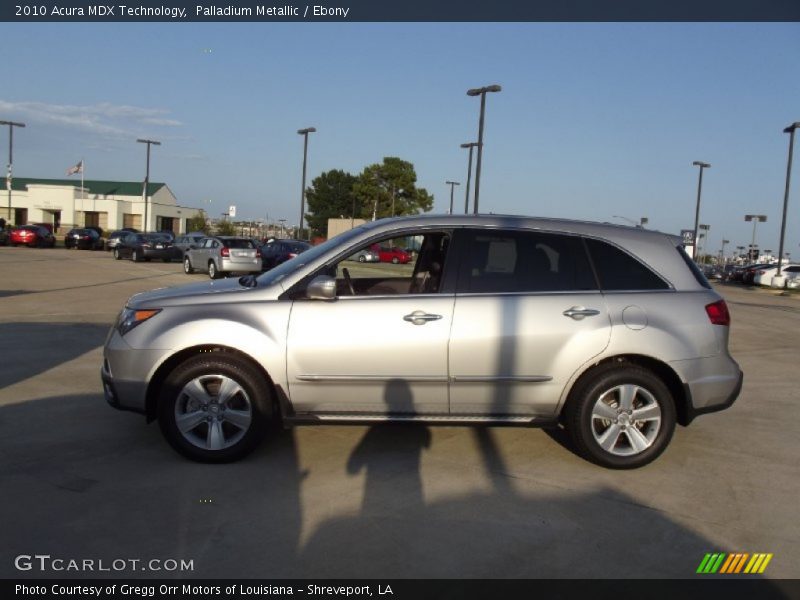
(579, 312)
(419, 317)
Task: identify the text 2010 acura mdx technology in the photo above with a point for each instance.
(608, 331)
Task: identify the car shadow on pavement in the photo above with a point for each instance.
(21, 347)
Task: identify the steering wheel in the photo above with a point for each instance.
(349, 281)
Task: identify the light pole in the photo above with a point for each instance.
(304, 133)
(147, 177)
(11, 125)
(452, 185)
(281, 221)
(469, 145)
(755, 219)
(722, 250)
(642, 222)
(702, 166)
(790, 130)
(482, 93)
(740, 250)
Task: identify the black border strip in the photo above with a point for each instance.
(409, 11)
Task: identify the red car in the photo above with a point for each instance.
(32, 235)
(393, 255)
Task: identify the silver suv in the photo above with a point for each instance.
(608, 331)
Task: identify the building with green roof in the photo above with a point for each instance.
(109, 205)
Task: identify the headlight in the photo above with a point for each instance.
(130, 318)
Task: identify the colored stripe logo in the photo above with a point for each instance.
(735, 563)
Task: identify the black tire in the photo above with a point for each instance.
(362, 258)
(167, 260)
(187, 266)
(212, 270)
(134, 256)
(395, 260)
(595, 413)
(252, 399)
(117, 254)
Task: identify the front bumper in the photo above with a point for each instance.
(126, 373)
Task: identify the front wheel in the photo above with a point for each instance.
(187, 266)
(621, 417)
(117, 255)
(395, 260)
(135, 256)
(214, 408)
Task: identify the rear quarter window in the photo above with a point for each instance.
(619, 271)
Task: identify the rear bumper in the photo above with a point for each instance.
(693, 412)
(711, 384)
(227, 265)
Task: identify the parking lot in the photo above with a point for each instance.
(83, 481)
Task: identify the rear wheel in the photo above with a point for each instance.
(362, 258)
(214, 408)
(212, 270)
(135, 256)
(621, 417)
(395, 260)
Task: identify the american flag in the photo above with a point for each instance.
(76, 169)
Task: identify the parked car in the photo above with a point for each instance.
(146, 246)
(4, 237)
(33, 236)
(223, 254)
(276, 252)
(188, 241)
(764, 275)
(366, 255)
(712, 272)
(393, 255)
(611, 332)
(115, 237)
(749, 272)
(83, 239)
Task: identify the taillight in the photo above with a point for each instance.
(718, 313)
(292, 254)
(258, 253)
(225, 251)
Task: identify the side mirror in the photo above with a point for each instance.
(192, 247)
(322, 287)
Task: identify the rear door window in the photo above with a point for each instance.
(524, 261)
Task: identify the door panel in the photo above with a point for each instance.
(513, 354)
(359, 354)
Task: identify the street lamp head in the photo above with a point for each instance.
(307, 130)
(792, 127)
(155, 143)
(483, 90)
(469, 145)
(12, 123)
(452, 183)
(701, 164)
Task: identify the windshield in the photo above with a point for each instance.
(290, 266)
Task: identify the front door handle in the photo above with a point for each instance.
(419, 317)
(579, 312)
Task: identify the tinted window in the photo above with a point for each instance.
(618, 270)
(524, 261)
(238, 243)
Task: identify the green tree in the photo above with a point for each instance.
(389, 189)
(226, 228)
(198, 223)
(330, 197)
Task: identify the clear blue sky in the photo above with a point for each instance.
(594, 120)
